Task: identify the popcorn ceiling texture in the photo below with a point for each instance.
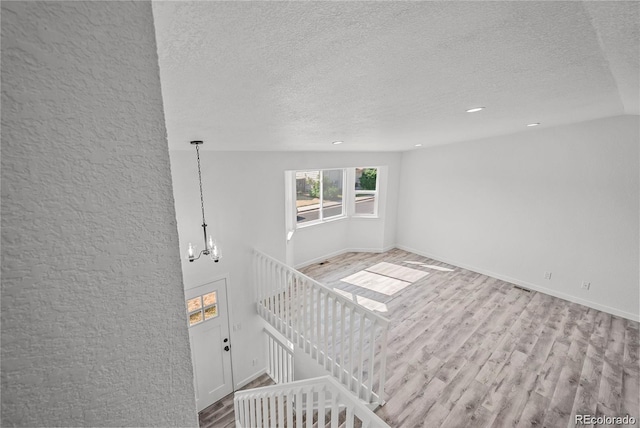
(385, 75)
(93, 315)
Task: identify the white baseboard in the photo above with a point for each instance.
(340, 252)
(525, 284)
(319, 259)
(250, 379)
(388, 248)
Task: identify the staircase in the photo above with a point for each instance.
(345, 339)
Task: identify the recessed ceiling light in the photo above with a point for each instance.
(475, 109)
(337, 142)
(418, 145)
(534, 124)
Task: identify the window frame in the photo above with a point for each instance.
(202, 309)
(375, 192)
(348, 197)
(321, 219)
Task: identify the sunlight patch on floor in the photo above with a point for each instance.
(363, 301)
(374, 282)
(398, 272)
(383, 278)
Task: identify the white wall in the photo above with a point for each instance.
(244, 195)
(93, 313)
(563, 200)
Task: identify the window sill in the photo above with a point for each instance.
(366, 217)
(318, 222)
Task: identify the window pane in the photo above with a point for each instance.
(365, 203)
(332, 193)
(211, 312)
(307, 195)
(366, 178)
(195, 318)
(209, 299)
(194, 304)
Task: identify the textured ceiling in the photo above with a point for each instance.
(385, 76)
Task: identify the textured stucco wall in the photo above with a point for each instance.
(93, 317)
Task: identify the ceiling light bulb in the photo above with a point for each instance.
(475, 109)
(337, 142)
(418, 145)
(534, 124)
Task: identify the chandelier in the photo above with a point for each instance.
(210, 247)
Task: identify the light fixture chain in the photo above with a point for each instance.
(200, 180)
(210, 248)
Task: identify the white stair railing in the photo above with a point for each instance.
(348, 340)
(318, 402)
(280, 364)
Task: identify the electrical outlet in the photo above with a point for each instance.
(547, 275)
(586, 285)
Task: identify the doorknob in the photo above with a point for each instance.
(225, 340)
(226, 348)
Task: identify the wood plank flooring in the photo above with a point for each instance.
(467, 350)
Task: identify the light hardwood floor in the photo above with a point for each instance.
(467, 350)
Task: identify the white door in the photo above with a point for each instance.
(210, 345)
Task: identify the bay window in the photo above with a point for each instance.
(328, 194)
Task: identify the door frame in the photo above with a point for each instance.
(229, 324)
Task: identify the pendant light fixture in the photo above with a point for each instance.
(210, 247)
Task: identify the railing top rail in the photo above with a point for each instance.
(346, 398)
(284, 343)
(283, 386)
(383, 320)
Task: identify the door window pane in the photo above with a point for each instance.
(194, 304)
(195, 307)
(211, 312)
(195, 318)
(209, 299)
